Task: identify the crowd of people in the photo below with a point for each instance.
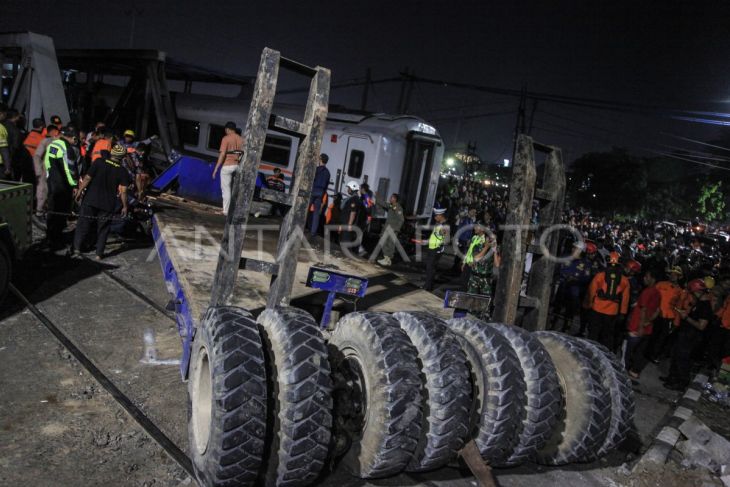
(649, 291)
(95, 176)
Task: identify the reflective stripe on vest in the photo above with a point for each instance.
(436, 239)
(57, 150)
(475, 240)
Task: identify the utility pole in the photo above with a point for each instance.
(365, 91)
(133, 12)
(532, 116)
(409, 91)
(401, 97)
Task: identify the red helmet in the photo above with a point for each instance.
(591, 247)
(614, 258)
(696, 285)
(633, 266)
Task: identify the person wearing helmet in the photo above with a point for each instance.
(129, 140)
(670, 292)
(434, 246)
(719, 339)
(640, 325)
(693, 321)
(608, 296)
(351, 216)
(596, 263)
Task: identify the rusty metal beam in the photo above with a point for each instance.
(292, 229)
(541, 273)
(514, 242)
(244, 182)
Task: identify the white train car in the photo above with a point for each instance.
(393, 154)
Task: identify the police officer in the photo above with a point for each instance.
(435, 246)
(60, 165)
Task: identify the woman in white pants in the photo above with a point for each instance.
(228, 162)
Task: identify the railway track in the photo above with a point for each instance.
(154, 432)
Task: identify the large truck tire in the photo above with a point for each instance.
(299, 409)
(582, 426)
(227, 399)
(378, 393)
(5, 271)
(447, 401)
(498, 389)
(617, 381)
(543, 398)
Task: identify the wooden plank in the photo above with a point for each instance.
(292, 229)
(539, 284)
(292, 127)
(544, 194)
(514, 242)
(258, 266)
(479, 468)
(474, 303)
(244, 182)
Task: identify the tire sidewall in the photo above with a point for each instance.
(201, 344)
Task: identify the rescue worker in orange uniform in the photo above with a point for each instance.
(693, 321)
(670, 292)
(719, 343)
(35, 136)
(608, 296)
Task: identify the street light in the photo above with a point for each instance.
(450, 161)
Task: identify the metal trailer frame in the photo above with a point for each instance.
(282, 271)
(244, 183)
(517, 241)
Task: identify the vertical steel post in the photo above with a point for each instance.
(244, 182)
(514, 242)
(307, 157)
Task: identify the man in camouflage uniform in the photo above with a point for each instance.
(481, 262)
(393, 222)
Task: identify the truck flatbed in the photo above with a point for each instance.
(188, 242)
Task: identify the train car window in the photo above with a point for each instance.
(276, 150)
(357, 159)
(215, 135)
(189, 131)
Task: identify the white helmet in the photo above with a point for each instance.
(353, 185)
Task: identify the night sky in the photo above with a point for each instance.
(673, 55)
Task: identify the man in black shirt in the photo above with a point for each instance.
(351, 216)
(694, 320)
(106, 178)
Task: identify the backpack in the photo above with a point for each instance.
(612, 276)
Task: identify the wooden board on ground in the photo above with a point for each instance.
(192, 239)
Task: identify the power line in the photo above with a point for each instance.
(696, 141)
(567, 132)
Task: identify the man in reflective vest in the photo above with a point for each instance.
(439, 237)
(59, 162)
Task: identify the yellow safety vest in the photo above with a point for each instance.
(436, 239)
(57, 150)
(475, 240)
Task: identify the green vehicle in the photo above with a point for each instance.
(16, 208)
